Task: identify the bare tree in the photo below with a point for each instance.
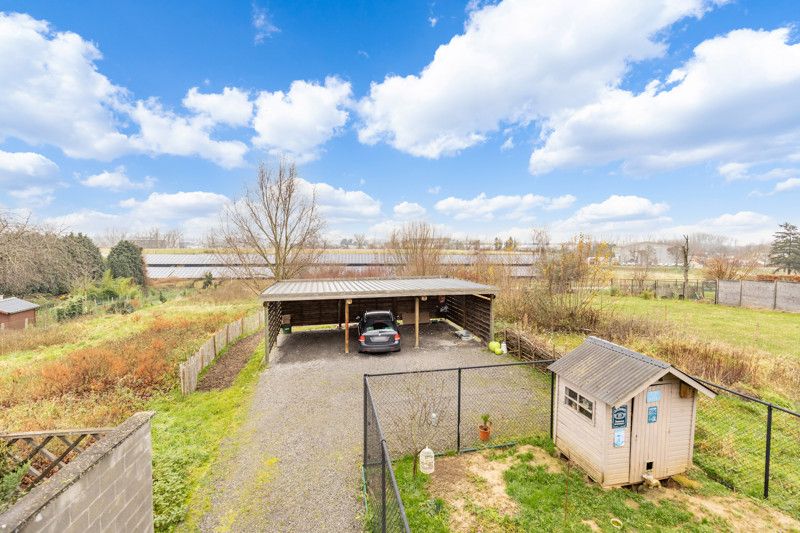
(417, 249)
(727, 267)
(360, 240)
(276, 223)
(685, 257)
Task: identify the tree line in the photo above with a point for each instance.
(40, 260)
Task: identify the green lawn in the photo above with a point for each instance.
(772, 331)
(541, 492)
(187, 433)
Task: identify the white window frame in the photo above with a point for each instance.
(579, 403)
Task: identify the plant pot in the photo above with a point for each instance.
(484, 433)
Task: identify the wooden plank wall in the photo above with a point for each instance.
(526, 348)
(274, 326)
(318, 312)
(473, 313)
(189, 371)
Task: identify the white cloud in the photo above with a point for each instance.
(433, 21)
(338, 205)
(117, 180)
(409, 210)
(175, 206)
(791, 183)
(508, 144)
(298, 122)
(615, 216)
(52, 92)
(737, 98)
(484, 207)
(744, 226)
(263, 25)
(34, 196)
(164, 132)
(87, 221)
(232, 106)
(436, 189)
(517, 61)
(22, 167)
(618, 207)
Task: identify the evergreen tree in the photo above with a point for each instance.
(785, 251)
(125, 261)
(86, 260)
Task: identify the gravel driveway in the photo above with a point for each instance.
(295, 464)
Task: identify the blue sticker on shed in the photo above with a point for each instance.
(652, 414)
(653, 396)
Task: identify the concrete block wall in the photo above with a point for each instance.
(108, 487)
(779, 295)
(728, 292)
(758, 294)
(788, 296)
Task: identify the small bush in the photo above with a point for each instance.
(120, 307)
(11, 476)
(208, 280)
(73, 308)
(614, 291)
(647, 294)
(111, 288)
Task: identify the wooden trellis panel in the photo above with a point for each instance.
(46, 452)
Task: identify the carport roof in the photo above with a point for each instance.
(334, 289)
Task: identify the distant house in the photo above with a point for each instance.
(16, 313)
(623, 416)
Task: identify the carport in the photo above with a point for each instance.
(312, 302)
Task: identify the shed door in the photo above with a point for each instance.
(650, 441)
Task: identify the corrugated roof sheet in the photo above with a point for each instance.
(364, 258)
(12, 305)
(610, 372)
(301, 289)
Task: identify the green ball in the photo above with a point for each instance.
(498, 351)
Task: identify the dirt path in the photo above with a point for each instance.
(225, 369)
(295, 464)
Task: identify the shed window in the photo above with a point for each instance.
(580, 403)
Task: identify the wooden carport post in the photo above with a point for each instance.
(347, 325)
(416, 322)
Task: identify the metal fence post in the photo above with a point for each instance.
(552, 396)
(383, 489)
(458, 415)
(365, 422)
(768, 451)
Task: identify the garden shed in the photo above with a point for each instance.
(311, 302)
(621, 415)
(16, 313)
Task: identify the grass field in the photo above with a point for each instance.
(524, 488)
(97, 370)
(772, 331)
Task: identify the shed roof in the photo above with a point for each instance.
(614, 374)
(334, 289)
(9, 306)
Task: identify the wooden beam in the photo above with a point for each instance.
(416, 322)
(347, 325)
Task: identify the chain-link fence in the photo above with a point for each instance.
(750, 446)
(747, 444)
(384, 508)
(442, 409)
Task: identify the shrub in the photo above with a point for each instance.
(647, 294)
(125, 261)
(73, 308)
(614, 291)
(111, 288)
(208, 280)
(11, 476)
(120, 307)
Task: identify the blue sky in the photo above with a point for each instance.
(620, 119)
